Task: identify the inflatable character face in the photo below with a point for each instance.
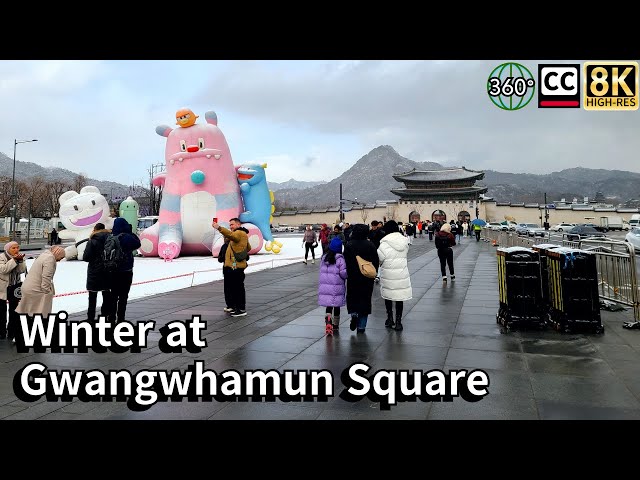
(185, 118)
(81, 210)
(251, 174)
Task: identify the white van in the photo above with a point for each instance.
(635, 221)
(146, 222)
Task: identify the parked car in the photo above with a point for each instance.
(494, 226)
(561, 227)
(530, 230)
(633, 237)
(508, 226)
(535, 231)
(599, 228)
(581, 232)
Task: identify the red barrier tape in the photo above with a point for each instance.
(175, 276)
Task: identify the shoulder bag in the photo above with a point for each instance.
(15, 291)
(240, 256)
(366, 267)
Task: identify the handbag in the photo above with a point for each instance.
(15, 290)
(366, 267)
(315, 245)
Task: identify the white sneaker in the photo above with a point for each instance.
(228, 309)
(313, 260)
(444, 279)
(453, 277)
(304, 261)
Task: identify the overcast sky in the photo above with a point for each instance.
(310, 120)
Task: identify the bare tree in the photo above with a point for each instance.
(5, 195)
(154, 193)
(79, 182)
(392, 211)
(36, 199)
(364, 214)
(53, 192)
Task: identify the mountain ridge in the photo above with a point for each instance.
(370, 179)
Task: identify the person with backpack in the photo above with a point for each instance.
(359, 285)
(97, 278)
(331, 285)
(395, 281)
(118, 263)
(444, 241)
(235, 262)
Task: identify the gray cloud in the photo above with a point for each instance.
(428, 110)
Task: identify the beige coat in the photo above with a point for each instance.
(37, 288)
(239, 241)
(6, 267)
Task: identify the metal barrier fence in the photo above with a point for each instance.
(615, 260)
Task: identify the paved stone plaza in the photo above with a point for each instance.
(533, 374)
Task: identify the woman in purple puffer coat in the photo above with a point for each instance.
(331, 287)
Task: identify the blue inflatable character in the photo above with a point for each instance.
(258, 202)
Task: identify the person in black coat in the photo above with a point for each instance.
(376, 233)
(121, 279)
(97, 278)
(359, 287)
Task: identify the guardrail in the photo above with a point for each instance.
(615, 260)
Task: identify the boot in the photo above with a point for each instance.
(398, 326)
(389, 323)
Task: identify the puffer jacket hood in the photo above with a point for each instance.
(331, 284)
(396, 240)
(395, 281)
(120, 225)
(95, 233)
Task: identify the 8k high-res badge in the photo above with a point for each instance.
(611, 86)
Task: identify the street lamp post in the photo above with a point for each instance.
(13, 186)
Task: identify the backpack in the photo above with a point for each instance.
(442, 242)
(113, 255)
(223, 252)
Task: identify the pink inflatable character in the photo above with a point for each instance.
(200, 183)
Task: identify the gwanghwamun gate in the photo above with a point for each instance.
(451, 194)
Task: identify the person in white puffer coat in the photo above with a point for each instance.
(395, 283)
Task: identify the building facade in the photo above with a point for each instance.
(452, 194)
(443, 195)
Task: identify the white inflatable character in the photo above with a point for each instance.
(79, 212)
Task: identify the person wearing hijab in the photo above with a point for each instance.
(38, 289)
(395, 282)
(12, 265)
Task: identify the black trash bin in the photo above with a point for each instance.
(519, 283)
(573, 290)
(543, 249)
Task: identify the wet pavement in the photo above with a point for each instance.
(533, 374)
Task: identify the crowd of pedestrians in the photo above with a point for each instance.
(109, 257)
